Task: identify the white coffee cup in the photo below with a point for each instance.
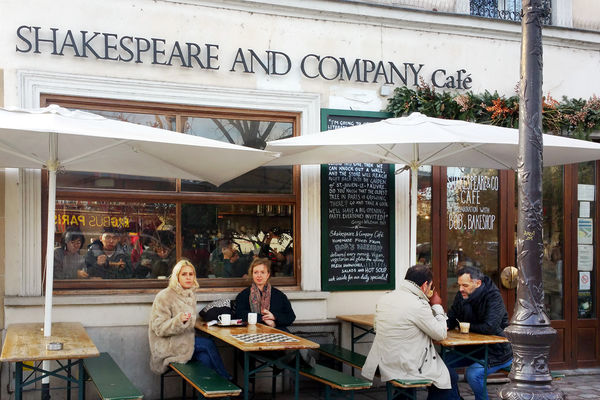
(252, 318)
(464, 327)
(225, 319)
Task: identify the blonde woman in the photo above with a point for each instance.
(171, 327)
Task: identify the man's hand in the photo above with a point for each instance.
(435, 299)
(101, 260)
(82, 274)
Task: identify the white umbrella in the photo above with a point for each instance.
(420, 140)
(55, 138)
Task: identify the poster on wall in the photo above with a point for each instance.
(585, 257)
(585, 231)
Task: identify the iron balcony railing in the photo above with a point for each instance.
(505, 9)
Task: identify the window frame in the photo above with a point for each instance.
(177, 197)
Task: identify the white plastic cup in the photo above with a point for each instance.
(252, 318)
(225, 319)
(464, 327)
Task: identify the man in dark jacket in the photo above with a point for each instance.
(479, 302)
(106, 259)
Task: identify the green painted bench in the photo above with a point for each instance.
(333, 379)
(357, 360)
(111, 383)
(344, 355)
(205, 380)
(405, 387)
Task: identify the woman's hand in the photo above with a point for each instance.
(185, 317)
(268, 318)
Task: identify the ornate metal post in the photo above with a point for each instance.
(530, 332)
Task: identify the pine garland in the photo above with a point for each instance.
(575, 118)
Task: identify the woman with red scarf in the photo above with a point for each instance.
(270, 304)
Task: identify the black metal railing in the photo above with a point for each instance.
(505, 9)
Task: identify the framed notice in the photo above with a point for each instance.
(585, 257)
(357, 214)
(585, 231)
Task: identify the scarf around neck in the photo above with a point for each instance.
(260, 300)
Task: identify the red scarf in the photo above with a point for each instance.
(260, 300)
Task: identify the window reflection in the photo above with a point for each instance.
(251, 133)
(424, 237)
(117, 240)
(472, 225)
(221, 240)
(552, 263)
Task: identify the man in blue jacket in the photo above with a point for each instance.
(479, 302)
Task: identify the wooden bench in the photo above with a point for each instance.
(405, 387)
(333, 379)
(202, 378)
(111, 383)
(357, 360)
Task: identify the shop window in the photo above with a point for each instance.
(251, 133)
(472, 226)
(552, 263)
(154, 221)
(424, 199)
(586, 241)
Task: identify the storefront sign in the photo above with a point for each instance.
(468, 212)
(90, 221)
(207, 56)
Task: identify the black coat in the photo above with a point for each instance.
(108, 270)
(280, 307)
(485, 311)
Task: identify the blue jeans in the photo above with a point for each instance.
(474, 372)
(206, 352)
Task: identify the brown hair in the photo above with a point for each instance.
(258, 261)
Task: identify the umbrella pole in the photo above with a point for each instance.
(52, 165)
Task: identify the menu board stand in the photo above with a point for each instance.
(357, 214)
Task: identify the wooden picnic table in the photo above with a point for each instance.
(26, 342)
(252, 348)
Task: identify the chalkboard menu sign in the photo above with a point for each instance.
(357, 210)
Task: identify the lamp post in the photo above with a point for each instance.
(530, 332)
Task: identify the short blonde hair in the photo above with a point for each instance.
(174, 278)
(259, 261)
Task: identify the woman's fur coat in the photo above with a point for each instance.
(170, 339)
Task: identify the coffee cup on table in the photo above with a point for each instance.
(252, 318)
(464, 327)
(224, 319)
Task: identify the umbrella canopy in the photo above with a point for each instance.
(420, 140)
(56, 138)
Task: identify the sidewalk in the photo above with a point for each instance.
(577, 384)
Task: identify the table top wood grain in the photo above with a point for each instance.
(360, 319)
(226, 335)
(455, 338)
(26, 342)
